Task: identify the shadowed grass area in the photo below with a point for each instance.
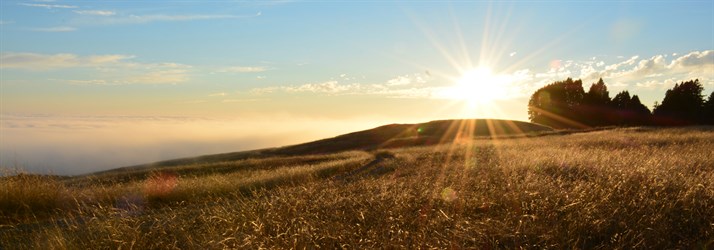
(26, 194)
(619, 188)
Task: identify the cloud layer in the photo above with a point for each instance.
(403, 86)
(98, 17)
(656, 70)
(631, 73)
(114, 69)
(35, 61)
(83, 144)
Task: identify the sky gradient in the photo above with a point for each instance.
(92, 85)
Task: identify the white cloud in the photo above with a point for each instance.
(130, 77)
(647, 67)
(394, 88)
(408, 79)
(656, 72)
(49, 6)
(619, 65)
(55, 29)
(243, 100)
(95, 12)
(166, 76)
(86, 82)
(242, 69)
(142, 19)
(400, 80)
(656, 84)
(642, 73)
(696, 59)
(4, 22)
(346, 77)
(328, 87)
(323, 87)
(152, 18)
(696, 62)
(335, 88)
(512, 54)
(33, 61)
(650, 75)
(555, 73)
(420, 92)
(113, 69)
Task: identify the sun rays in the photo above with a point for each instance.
(480, 86)
(477, 83)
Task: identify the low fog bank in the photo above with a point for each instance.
(72, 158)
(79, 145)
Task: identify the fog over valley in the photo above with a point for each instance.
(70, 145)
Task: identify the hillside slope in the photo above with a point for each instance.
(387, 136)
(420, 134)
(623, 188)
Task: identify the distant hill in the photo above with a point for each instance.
(387, 136)
(405, 135)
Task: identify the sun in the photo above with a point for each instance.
(479, 86)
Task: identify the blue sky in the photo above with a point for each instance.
(352, 64)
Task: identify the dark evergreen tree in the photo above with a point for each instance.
(641, 114)
(564, 104)
(621, 100)
(629, 110)
(597, 94)
(574, 92)
(682, 105)
(556, 104)
(708, 112)
(596, 105)
(621, 108)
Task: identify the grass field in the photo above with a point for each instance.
(618, 188)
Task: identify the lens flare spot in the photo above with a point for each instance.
(448, 194)
(160, 184)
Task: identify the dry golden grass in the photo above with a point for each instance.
(621, 188)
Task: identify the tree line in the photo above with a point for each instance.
(565, 104)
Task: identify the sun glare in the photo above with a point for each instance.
(479, 86)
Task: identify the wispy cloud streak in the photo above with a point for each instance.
(143, 19)
(55, 29)
(95, 12)
(114, 69)
(49, 6)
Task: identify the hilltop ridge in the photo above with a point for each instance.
(419, 134)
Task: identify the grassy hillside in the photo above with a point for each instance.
(619, 188)
(387, 136)
(421, 134)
